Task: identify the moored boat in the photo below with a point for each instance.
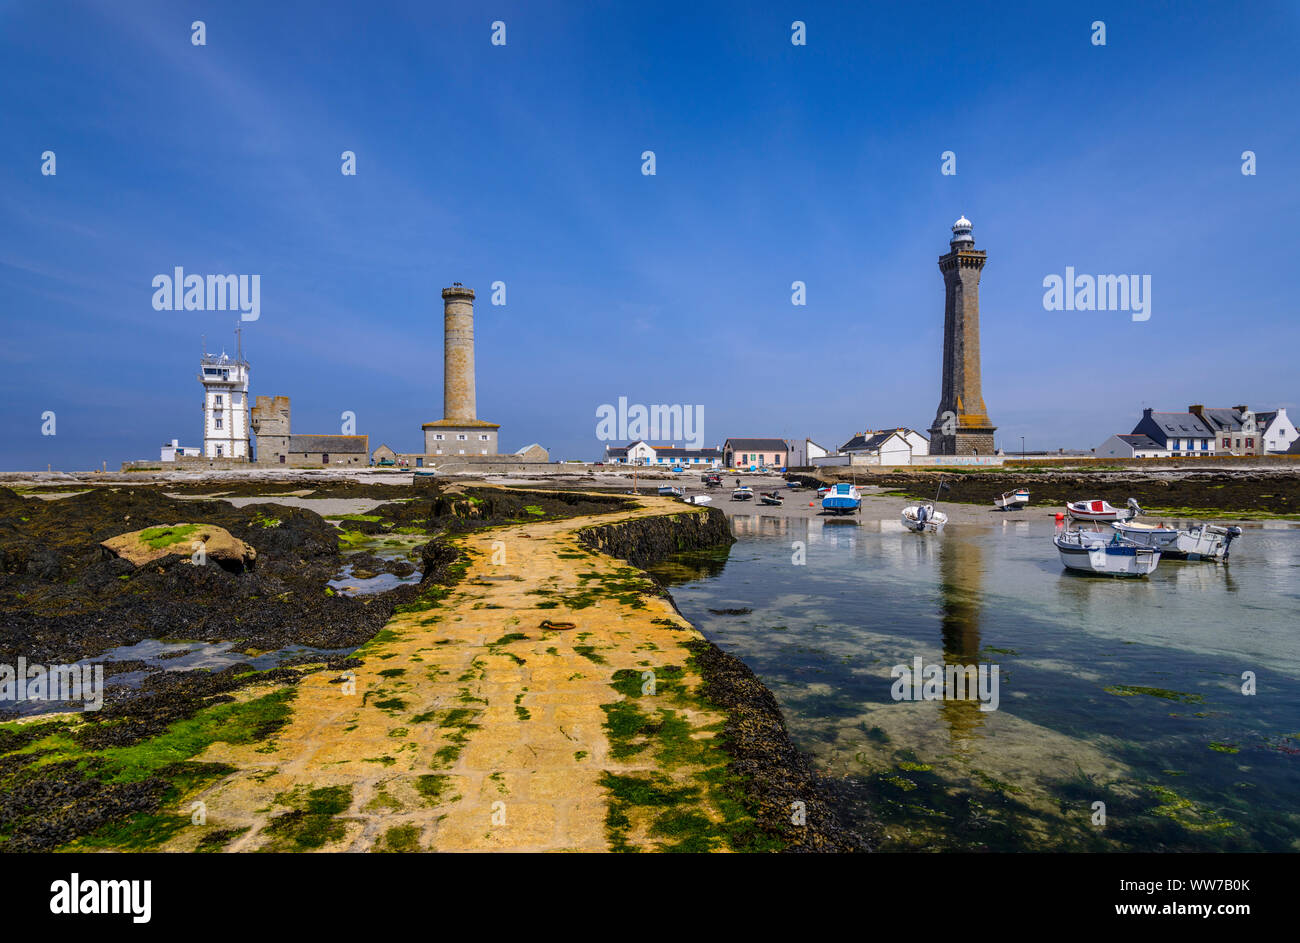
(842, 498)
(1098, 510)
(669, 491)
(1012, 499)
(743, 493)
(923, 518)
(771, 497)
(1198, 542)
(698, 499)
(1088, 552)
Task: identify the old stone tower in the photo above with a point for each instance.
(460, 431)
(271, 428)
(961, 425)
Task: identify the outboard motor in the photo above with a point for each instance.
(1136, 508)
(1233, 534)
(920, 514)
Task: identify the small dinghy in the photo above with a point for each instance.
(1012, 500)
(668, 491)
(698, 499)
(771, 497)
(923, 518)
(1096, 510)
(743, 493)
(1198, 542)
(1088, 552)
(843, 498)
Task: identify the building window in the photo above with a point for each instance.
(482, 437)
(216, 422)
(218, 451)
(217, 399)
(281, 459)
(1250, 443)
(462, 451)
(437, 437)
(461, 438)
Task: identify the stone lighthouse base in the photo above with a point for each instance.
(975, 441)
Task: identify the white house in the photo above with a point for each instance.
(173, 449)
(1131, 446)
(643, 453)
(803, 453)
(887, 447)
(1278, 430)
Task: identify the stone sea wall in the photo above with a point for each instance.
(646, 540)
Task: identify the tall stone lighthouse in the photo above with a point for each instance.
(460, 433)
(961, 424)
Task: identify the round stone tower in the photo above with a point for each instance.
(458, 354)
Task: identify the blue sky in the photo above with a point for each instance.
(521, 163)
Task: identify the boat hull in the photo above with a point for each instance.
(842, 499)
(1098, 511)
(930, 523)
(1202, 542)
(1100, 558)
(1012, 500)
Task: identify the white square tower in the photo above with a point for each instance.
(225, 405)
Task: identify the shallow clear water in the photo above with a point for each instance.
(173, 656)
(1124, 692)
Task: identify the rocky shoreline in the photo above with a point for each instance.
(64, 597)
(1239, 493)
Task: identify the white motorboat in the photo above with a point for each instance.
(698, 499)
(1012, 499)
(743, 493)
(923, 518)
(1198, 542)
(1103, 555)
(1096, 510)
(668, 491)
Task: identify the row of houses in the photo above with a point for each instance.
(896, 446)
(1232, 430)
(734, 453)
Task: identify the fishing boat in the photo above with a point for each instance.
(668, 491)
(923, 518)
(1090, 552)
(713, 481)
(1096, 510)
(1012, 499)
(698, 499)
(1198, 542)
(843, 498)
(771, 497)
(743, 493)
(425, 473)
